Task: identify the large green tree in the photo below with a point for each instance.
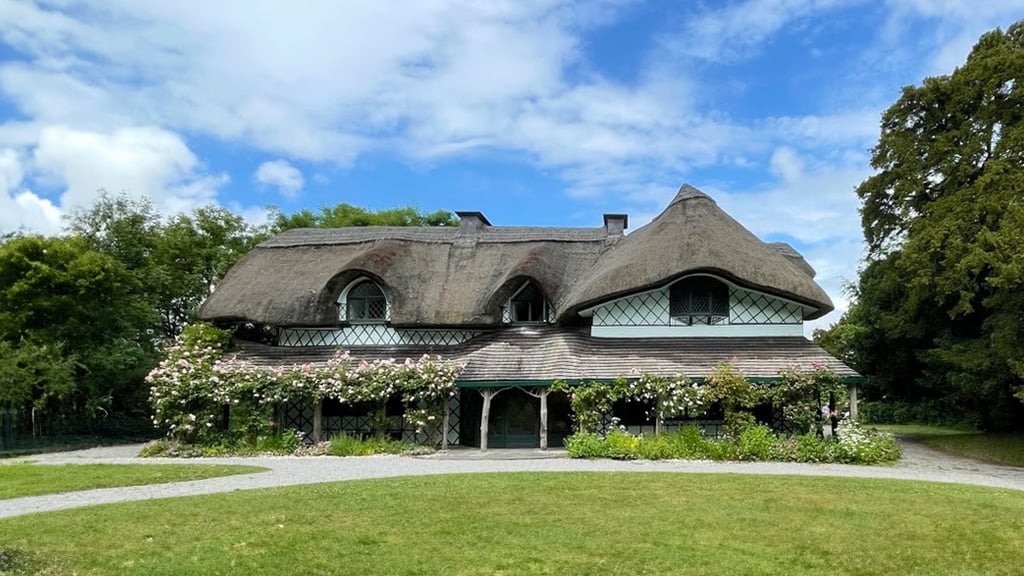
(939, 312)
(65, 304)
(176, 262)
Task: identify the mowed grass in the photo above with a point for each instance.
(544, 523)
(18, 480)
(1005, 449)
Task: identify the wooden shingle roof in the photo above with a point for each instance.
(546, 353)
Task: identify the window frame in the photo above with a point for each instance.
(717, 292)
(345, 303)
(511, 307)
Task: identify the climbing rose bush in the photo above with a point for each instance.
(191, 387)
(182, 385)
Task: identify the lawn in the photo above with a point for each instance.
(18, 480)
(537, 523)
(1005, 449)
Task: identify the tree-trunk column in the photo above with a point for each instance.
(485, 415)
(318, 413)
(444, 423)
(543, 418)
(853, 402)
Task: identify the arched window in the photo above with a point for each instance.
(365, 302)
(699, 300)
(528, 305)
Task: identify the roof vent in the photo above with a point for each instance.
(614, 224)
(471, 222)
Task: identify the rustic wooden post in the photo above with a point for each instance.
(853, 402)
(444, 423)
(541, 393)
(543, 418)
(318, 412)
(485, 415)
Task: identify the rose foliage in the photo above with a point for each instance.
(192, 386)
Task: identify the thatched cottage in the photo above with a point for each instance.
(524, 307)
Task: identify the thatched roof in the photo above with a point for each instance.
(461, 276)
(546, 353)
(694, 234)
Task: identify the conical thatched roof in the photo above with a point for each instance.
(449, 276)
(693, 234)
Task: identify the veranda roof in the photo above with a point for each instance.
(521, 355)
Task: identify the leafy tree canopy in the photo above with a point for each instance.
(939, 312)
(348, 215)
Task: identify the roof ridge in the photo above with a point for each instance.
(689, 192)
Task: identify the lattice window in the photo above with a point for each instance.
(365, 302)
(647, 309)
(755, 308)
(372, 335)
(699, 300)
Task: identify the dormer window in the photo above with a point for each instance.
(699, 300)
(527, 305)
(363, 301)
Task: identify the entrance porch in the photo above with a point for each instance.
(516, 417)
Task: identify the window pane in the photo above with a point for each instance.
(528, 305)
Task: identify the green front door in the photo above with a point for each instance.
(514, 421)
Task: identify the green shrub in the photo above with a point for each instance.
(345, 445)
(854, 445)
(689, 443)
(812, 449)
(857, 445)
(657, 448)
(622, 445)
(756, 443)
(155, 449)
(584, 445)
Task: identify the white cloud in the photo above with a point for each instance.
(139, 161)
(21, 209)
(740, 28)
(441, 79)
(281, 175)
(334, 81)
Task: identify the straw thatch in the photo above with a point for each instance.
(449, 276)
(694, 234)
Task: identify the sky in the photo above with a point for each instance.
(535, 112)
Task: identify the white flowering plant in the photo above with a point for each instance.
(196, 385)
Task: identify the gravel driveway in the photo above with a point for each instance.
(918, 463)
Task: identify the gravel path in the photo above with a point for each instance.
(918, 463)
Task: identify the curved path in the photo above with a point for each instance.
(918, 463)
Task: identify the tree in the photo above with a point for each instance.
(176, 262)
(347, 215)
(63, 303)
(34, 378)
(943, 217)
(192, 253)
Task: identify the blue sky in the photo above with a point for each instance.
(536, 112)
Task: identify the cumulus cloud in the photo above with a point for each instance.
(20, 208)
(279, 174)
(107, 93)
(320, 85)
(138, 161)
